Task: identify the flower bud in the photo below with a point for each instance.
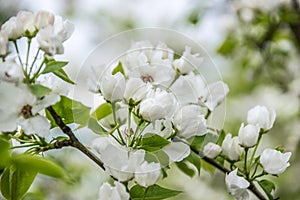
(159, 105)
(13, 28)
(113, 192)
(27, 20)
(261, 116)
(112, 87)
(43, 18)
(274, 162)
(189, 121)
(237, 186)
(231, 147)
(212, 150)
(248, 135)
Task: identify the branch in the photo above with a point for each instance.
(295, 26)
(74, 142)
(252, 187)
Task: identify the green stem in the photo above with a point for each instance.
(34, 60)
(113, 106)
(255, 149)
(37, 73)
(207, 114)
(27, 54)
(20, 59)
(245, 163)
(128, 126)
(174, 80)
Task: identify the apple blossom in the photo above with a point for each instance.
(237, 185)
(11, 72)
(216, 93)
(211, 150)
(274, 162)
(177, 151)
(147, 174)
(27, 20)
(136, 90)
(112, 87)
(3, 43)
(158, 105)
(248, 135)
(190, 122)
(231, 147)
(188, 61)
(43, 18)
(13, 28)
(116, 192)
(261, 116)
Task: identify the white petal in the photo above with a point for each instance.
(177, 151)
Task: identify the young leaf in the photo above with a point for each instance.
(53, 66)
(17, 181)
(38, 164)
(154, 192)
(158, 157)
(185, 168)
(267, 187)
(194, 159)
(71, 111)
(63, 75)
(153, 142)
(4, 152)
(102, 111)
(222, 135)
(95, 126)
(39, 90)
(118, 68)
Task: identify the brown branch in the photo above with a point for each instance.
(212, 162)
(73, 141)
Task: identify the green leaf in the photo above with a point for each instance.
(38, 164)
(154, 192)
(118, 68)
(267, 186)
(185, 168)
(63, 75)
(227, 46)
(17, 181)
(207, 167)
(153, 142)
(199, 142)
(53, 66)
(95, 126)
(158, 157)
(194, 159)
(39, 90)
(102, 111)
(222, 135)
(4, 152)
(71, 111)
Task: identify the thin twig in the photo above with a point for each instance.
(73, 140)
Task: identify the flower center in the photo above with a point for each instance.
(147, 78)
(26, 111)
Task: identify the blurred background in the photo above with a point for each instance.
(253, 43)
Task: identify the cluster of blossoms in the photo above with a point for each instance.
(158, 103)
(27, 76)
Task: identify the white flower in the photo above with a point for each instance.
(117, 192)
(119, 161)
(177, 151)
(216, 93)
(13, 28)
(57, 85)
(188, 61)
(51, 37)
(275, 162)
(112, 87)
(3, 43)
(43, 18)
(248, 135)
(158, 105)
(23, 110)
(261, 116)
(27, 20)
(190, 122)
(147, 174)
(136, 90)
(211, 150)
(11, 72)
(237, 185)
(231, 147)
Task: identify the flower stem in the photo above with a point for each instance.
(34, 60)
(27, 54)
(255, 149)
(245, 163)
(113, 106)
